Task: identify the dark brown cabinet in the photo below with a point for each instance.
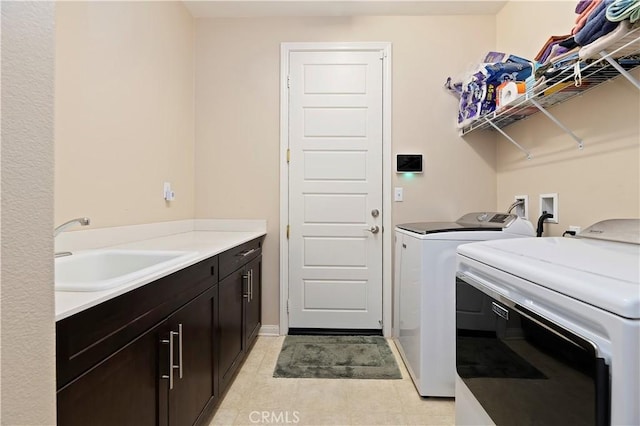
(161, 354)
(121, 390)
(133, 387)
(111, 358)
(240, 305)
(193, 376)
(232, 345)
(253, 300)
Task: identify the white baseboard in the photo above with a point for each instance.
(269, 330)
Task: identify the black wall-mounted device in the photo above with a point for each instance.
(408, 163)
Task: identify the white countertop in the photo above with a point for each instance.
(204, 244)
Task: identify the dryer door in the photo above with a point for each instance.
(527, 370)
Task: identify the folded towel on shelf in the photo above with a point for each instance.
(598, 45)
(584, 15)
(545, 55)
(556, 50)
(596, 26)
(620, 10)
(582, 5)
(568, 56)
(547, 46)
(569, 43)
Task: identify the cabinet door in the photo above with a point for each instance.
(231, 292)
(121, 390)
(194, 358)
(253, 303)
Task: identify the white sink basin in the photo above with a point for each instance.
(103, 269)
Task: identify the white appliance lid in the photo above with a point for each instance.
(601, 273)
(479, 221)
(620, 230)
(440, 227)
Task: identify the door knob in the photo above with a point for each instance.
(374, 229)
(375, 212)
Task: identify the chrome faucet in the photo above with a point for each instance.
(82, 221)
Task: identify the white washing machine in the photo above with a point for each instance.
(424, 291)
(566, 315)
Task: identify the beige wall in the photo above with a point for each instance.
(27, 351)
(602, 180)
(125, 118)
(237, 117)
(124, 112)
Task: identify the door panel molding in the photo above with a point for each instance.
(384, 48)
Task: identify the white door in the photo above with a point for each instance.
(335, 189)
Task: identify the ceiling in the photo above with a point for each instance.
(266, 8)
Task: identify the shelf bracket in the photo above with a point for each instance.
(509, 138)
(619, 68)
(558, 123)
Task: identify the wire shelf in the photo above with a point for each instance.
(625, 53)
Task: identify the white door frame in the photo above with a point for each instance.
(385, 48)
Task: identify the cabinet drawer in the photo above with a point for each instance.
(234, 258)
(88, 337)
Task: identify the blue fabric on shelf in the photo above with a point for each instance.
(596, 26)
(603, 43)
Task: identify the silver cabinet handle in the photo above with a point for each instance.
(246, 276)
(251, 284)
(180, 348)
(174, 366)
(374, 229)
(246, 253)
(170, 375)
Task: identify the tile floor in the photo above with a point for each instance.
(256, 397)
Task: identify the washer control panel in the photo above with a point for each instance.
(487, 218)
(499, 218)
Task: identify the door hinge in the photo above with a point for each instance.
(288, 81)
(287, 305)
(288, 228)
(288, 155)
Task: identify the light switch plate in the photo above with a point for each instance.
(398, 194)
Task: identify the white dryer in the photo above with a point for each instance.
(566, 315)
(425, 292)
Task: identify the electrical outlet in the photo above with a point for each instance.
(575, 229)
(549, 204)
(522, 210)
(167, 192)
